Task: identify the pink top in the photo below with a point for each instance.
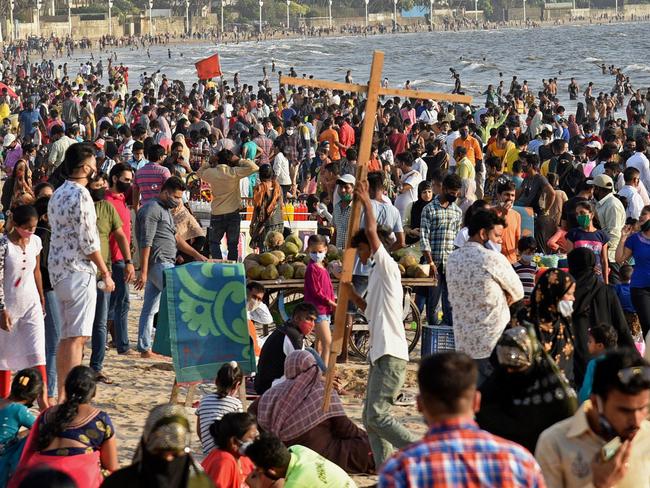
(318, 288)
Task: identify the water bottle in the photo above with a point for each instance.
(101, 285)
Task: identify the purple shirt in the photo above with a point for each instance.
(318, 288)
(12, 156)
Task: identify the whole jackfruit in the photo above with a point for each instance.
(270, 272)
(286, 271)
(268, 258)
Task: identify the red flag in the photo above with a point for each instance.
(208, 67)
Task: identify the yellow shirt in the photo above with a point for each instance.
(465, 169)
(5, 111)
(565, 451)
(512, 155)
(224, 184)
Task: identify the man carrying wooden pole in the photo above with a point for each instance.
(374, 91)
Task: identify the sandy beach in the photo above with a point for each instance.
(139, 384)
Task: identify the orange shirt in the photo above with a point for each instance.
(223, 470)
(331, 136)
(474, 151)
(511, 234)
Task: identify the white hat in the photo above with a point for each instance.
(347, 179)
(9, 139)
(595, 145)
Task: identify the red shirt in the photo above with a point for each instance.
(397, 142)
(118, 200)
(222, 468)
(346, 136)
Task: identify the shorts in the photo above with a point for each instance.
(324, 318)
(77, 297)
(360, 284)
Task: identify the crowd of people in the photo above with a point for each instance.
(533, 224)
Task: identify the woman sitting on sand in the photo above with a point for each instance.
(292, 410)
(163, 458)
(73, 437)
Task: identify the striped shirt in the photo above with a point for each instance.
(213, 407)
(456, 452)
(266, 146)
(526, 273)
(149, 181)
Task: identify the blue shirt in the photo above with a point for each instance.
(623, 293)
(640, 247)
(27, 119)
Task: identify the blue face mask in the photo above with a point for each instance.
(317, 256)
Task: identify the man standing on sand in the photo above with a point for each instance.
(75, 257)
(388, 352)
(158, 243)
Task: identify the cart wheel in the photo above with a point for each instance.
(359, 343)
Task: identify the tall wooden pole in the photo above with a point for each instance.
(367, 132)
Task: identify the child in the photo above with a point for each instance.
(601, 338)
(586, 235)
(214, 406)
(25, 389)
(623, 293)
(37, 136)
(320, 293)
(525, 268)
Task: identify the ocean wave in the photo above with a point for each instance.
(637, 67)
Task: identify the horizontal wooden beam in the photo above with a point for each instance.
(397, 92)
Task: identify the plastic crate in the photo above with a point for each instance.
(437, 338)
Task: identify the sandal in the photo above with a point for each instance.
(104, 379)
(404, 400)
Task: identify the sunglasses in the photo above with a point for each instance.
(627, 375)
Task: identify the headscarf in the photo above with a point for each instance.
(295, 406)
(581, 117)
(186, 150)
(548, 292)
(419, 204)
(515, 349)
(167, 429)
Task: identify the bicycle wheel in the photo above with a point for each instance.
(359, 342)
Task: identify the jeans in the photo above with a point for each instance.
(152, 293)
(119, 308)
(435, 294)
(641, 301)
(228, 224)
(52, 333)
(99, 330)
(385, 378)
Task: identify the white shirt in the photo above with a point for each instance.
(73, 220)
(634, 201)
(639, 161)
(281, 169)
(404, 200)
(449, 146)
(478, 280)
(384, 309)
(421, 167)
(428, 116)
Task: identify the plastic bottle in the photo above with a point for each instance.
(249, 211)
(290, 211)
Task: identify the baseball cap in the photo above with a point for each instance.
(347, 179)
(9, 138)
(602, 181)
(595, 145)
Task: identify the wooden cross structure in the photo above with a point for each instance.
(374, 90)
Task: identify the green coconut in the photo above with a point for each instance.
(255, 272)
(273, 240)
(268, 258)
(280, 255)
(408, 261)
(286, 271)
(294, 239)
(270, 272)
(290, 249)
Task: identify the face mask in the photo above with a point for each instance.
(243, 445)
(305, 327)
(526, 258)
(450, 198)
(464, 133)
(493, 246)
(317, 256)
(346, 198)
(583, 221)
(252, 304)
(24, 233)
(171, 203)
(98, 194)
(122, 187)
(565, 307)
(289, 132)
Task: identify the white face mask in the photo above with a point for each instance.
(526, 258)
(317, 256)
(252, 304)
(565, 307)
(493, 246)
